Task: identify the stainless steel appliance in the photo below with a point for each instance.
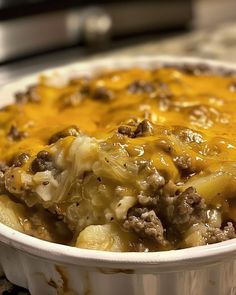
(32, 26)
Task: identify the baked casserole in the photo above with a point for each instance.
(128, 160)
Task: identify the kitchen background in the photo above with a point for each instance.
(37, 34)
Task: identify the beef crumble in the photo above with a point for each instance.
(141, 87)
(165, 219)
(102, 93)
(142, 129)
(69, 131)
(146, 224)
(31, 95)
(183, 162)
(216, 235)
(70, 99)
(232, 86)
(126, 130)
(19, 160)
(188, 208)
(15, 134)
(42, 162)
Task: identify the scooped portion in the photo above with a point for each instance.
(130, 160)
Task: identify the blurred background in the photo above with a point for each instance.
(36, 34)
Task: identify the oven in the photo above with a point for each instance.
(29, 27)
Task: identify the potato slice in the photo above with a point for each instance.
(195, 236)
(215, 187)
(11, 213)
(107, 237)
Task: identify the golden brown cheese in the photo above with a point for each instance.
(192, 138)
(204, 103)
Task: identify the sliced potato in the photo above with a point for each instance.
(107, 237)
(214, 187)
(11, 213)
(195, 236)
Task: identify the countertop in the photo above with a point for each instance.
(212, 43)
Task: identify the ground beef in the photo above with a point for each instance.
(31, 95)
(126, 130)
(188, 208)
(146, 224)
(15, 134)
(159, 197)
(163, 92)
(141, 87)
(145, 200)
(102, 93)
(42, 162)
(183, 162)
(192, 69)
(19, 160)
(75, 97)
(69, 131)
(215, 235)
(188, 135)
(155, 182)
(82, 83)
(142, 129)
(70, 100)
(164, 215)
(149, 195)
(232, 87)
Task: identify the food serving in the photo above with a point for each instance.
(127, 160)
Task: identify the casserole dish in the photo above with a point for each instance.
(46, 268)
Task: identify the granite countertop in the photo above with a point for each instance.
(218, 43)
(213, 43)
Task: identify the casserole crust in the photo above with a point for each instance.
(129, 160)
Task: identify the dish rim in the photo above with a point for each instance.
(130, 260)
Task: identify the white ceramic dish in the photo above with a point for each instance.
(47, 268)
